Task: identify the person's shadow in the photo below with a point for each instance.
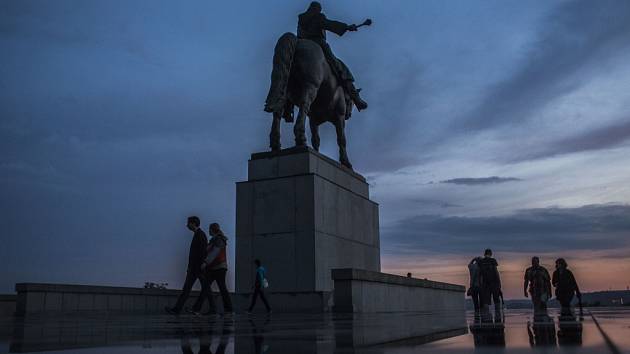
(205, 341)
(570, 331)
(542, 331)
(204, 344)
(488, 330)
(258, 336)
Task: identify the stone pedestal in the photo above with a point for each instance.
(303, 214)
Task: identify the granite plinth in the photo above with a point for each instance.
(303, 214)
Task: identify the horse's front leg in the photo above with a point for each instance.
(274, 135)
(340, 124)
(299, 129)
(314, 133)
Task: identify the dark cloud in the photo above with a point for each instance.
(590, 227)
(469, 181)
(597, 139)
(434, 203)
(576, 35)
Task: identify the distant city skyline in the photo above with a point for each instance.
(492, 124)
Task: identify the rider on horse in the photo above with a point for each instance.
(313, 25)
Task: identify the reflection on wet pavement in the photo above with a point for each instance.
(515, 331)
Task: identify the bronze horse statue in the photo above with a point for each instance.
(302, 77)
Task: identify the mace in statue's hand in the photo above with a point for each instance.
(354, 27)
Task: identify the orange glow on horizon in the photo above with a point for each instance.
(593, 273)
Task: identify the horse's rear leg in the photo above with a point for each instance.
(314, 133)
(274, 135)
(340, 125)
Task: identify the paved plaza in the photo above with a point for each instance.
(605, 331)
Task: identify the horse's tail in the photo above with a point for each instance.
(282, 59)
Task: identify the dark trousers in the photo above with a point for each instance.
(191, 278)
(490, 293)
(475, 294)
(219, 276)
(258, 291)
(539, 305)
(565, 303)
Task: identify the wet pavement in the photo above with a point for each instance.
(602, 330)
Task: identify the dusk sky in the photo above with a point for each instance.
(500, 124)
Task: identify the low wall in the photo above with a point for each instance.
(37, 298)
(359, 290)
(355, 291)
(7, 305)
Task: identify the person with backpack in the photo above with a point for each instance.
(538, 281)
(474, 290)
(215, 267)
(260, 283)
(490, 281)
(566, 286)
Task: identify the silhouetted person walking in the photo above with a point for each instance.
(259, 286)
(539, 282)
(195, 258)
(474, 290)
(215, 267)
(490, 281)
(566, 286)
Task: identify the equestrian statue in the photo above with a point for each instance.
(307, 74)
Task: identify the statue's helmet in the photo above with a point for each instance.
(315, 6)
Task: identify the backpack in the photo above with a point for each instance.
(487, 270)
